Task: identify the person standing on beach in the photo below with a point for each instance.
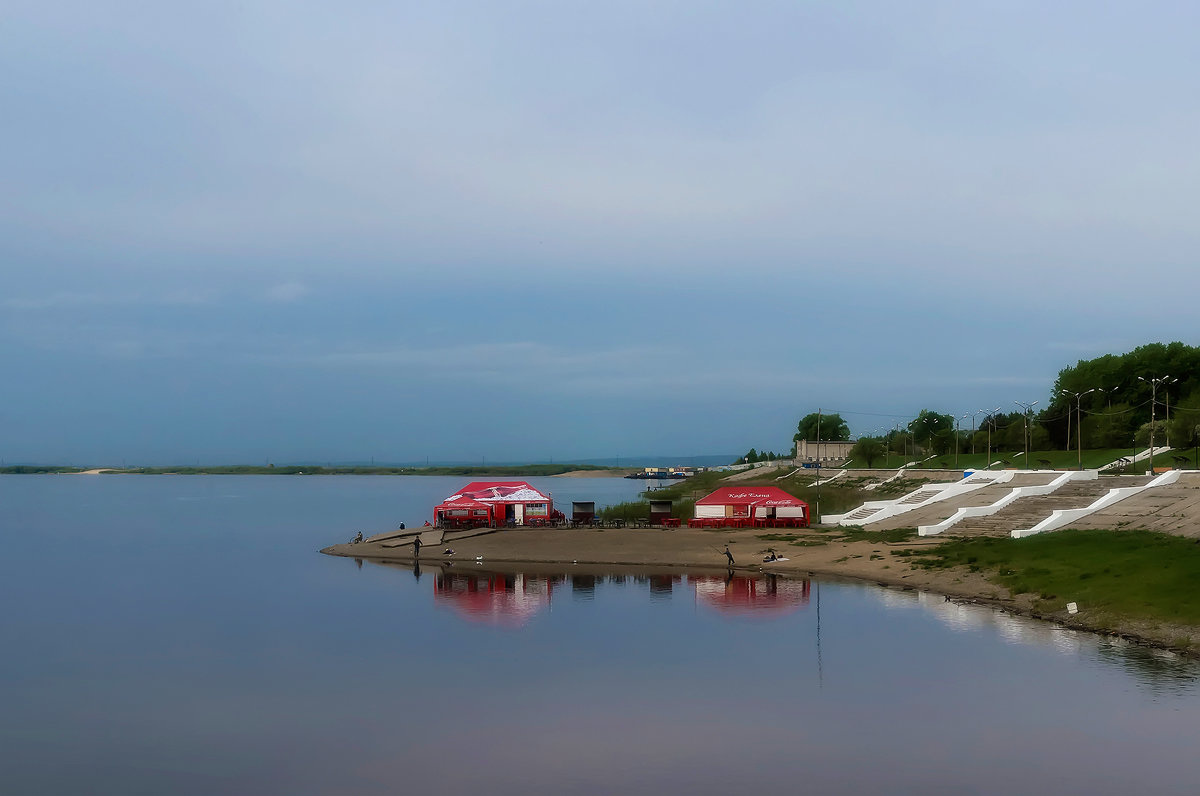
(417, 546)
(729, 555)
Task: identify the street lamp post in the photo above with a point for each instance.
(930, 422)
(1028, 413)
(1154, 381)
(1078, 420)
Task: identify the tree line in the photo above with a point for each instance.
(1105, 402)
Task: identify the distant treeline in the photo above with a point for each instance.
(528, 470)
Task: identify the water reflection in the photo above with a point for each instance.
(499, 599)
(1161, 671)
(767, 595)
(512, 599)
(583, 587)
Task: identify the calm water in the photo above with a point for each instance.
(181, 634)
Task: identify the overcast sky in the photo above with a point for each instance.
(287, 231)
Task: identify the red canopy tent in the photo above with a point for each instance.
(752, 505)
(494, 503)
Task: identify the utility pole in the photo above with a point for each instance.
(818, 511)
(991, 416)
(957, 435)
(1028, 414)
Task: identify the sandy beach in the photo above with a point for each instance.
(619, 549)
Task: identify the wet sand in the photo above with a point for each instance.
(677, 548)
(684, 548)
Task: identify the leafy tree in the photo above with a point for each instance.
(832, 427)
(1185, 421)
(1110, 427)
(934, 429)
(867, 449)
(1142, 438)
(1117, 380)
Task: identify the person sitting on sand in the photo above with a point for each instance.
(771, 556)
(358, 538)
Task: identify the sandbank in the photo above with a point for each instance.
(593, 474)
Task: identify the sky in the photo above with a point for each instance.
(294, 231)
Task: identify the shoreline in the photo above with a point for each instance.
(687, 549)
(320, 471)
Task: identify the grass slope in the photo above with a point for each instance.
(1133, 574)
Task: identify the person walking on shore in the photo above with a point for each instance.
(729, 555)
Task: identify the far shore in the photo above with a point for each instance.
(682, 548)
(517, 471)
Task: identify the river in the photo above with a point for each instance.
(182, 634)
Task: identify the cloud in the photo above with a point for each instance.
(287, 292)
(937, 139)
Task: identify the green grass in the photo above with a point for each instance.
(1058, 460)
(1137, 574)
(853, 533)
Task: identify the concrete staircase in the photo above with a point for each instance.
(920, 496)
(860, 514)
(940, 510)
(1029, 511)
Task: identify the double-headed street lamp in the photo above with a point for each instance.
(1154, 381)
(958, 435)
(1078, 421)
(1028, 413)
(991, 417)
(930, 423)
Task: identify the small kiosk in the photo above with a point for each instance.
(750, 507)
(660, 513)
(583, 512)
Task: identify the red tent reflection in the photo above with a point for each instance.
(767, 595)
(496, 599)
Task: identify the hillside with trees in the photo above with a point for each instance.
(1102, 403)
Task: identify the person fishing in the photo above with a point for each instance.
(729, 555)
